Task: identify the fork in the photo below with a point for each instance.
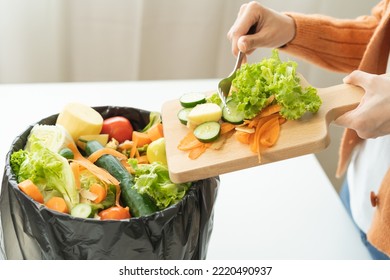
(225, 84)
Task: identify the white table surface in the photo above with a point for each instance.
(283, 210)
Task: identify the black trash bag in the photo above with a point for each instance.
(32, 231)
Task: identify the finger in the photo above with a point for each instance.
(358, 78)
(237, 29)
(238, 33)
(342, 120)
(230, 32)
(250, 43)
(241, 41)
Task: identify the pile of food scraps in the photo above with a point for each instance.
(263, 97)
(95, 168)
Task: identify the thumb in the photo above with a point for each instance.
(245, 44)
(344, 120)
(358, 78)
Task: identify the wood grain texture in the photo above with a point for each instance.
(308, 135)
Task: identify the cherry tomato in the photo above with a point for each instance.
(115, 213)
(117, 127)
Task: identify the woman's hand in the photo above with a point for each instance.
(273, 29)
(371, 118)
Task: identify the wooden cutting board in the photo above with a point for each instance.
(308, 135)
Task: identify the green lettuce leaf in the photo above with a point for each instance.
(53, 137)
(48, 170)
(255, 83)
(214, 98)
(153, 180)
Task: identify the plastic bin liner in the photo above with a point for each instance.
(32, 231)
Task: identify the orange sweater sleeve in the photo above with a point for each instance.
(334, 44)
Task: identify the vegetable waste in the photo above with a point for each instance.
(254, 84)
(89, 178)
(263, 96)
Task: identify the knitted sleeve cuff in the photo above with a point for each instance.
(334, 44)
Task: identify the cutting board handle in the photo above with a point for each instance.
(339, 99)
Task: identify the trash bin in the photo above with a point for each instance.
(32, 231)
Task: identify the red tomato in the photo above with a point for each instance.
(115, 213)
(117, 127)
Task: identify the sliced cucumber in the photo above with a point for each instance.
(191, 99)
(231, 114)
(207, 132)
(82, 210)
(183, 115)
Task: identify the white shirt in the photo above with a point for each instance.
(369, 164)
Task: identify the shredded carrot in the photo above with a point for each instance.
(282, 120)
(75, 167)
(243, 137)
(100, 191)
(270, 132)
(253, 122)
(134, 148)
(141, 138)
(266, 134)
(197, 152)
(226, 127)
(256, 140)
(189, 142)
(156, 132)
(259, 133)
(127, 145)
(269, 110)
(57, 204)
(32, 190)
(101, 173)
(142, 159)
(106, 151)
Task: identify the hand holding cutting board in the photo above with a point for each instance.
(371, 118)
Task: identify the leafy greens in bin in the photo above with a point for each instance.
(153, 180)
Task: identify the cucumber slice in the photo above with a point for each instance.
(231, 114)
(81, 210)
(191, 99)
(207, 132)
(183, 115)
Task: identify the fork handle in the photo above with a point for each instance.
(239, 60)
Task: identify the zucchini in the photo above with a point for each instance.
(231, 114)
(191, 99)
(208, 131)
(140, 205)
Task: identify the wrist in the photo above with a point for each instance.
(290, 30)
